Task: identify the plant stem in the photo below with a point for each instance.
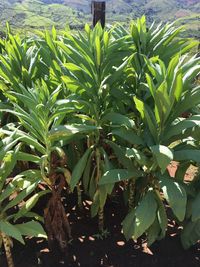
(101, 211)
(80, 205)
(101, 219)
(131, 200)
(98, 159)
(6, 243)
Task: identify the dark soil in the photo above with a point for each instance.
(87, 249)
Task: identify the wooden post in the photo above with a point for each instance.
(99, 12)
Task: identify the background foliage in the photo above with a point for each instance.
(27, 15)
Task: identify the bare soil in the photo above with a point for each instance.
(87, 249)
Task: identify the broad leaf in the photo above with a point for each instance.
(31, 228)
(140, 219)
(129, 135)
(11, 230)
(163, 156)
(153, 232)
(29, 204)
(68, 131)
(190, 234)
(187, 154)
(118, 119)
(196, 208)
(175, 195)
(118, 175)
(79, 168)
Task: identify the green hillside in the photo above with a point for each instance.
(27, 15)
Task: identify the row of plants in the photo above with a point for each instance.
(93, 111)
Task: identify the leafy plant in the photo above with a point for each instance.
(153, 143)
(92, 74)
(16, 193)
(99, 109)
(40, 117)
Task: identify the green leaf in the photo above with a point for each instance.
(187, 154)
(7, 166)
(117, 118)
(118, 175)
(128, 135)
(10, 188)
(32, 228)
(128, 225)
(11, 230)
(107, 165)
(87, 173)
(26, 138)
(29, 204)
(28, 157)
(67, 131)
(177, 87)
(181, 170)
(120, 152)
(21, 196)
(87, 29)
(95, 204)
(116, 76)
(8, 145)
(137, 155)
(34, 216)
(147, 117)
(79, 168)
(162, 102)
(145, 214)
(189, 100)
(140, 219)
(175, 195)
(163, 156)
(98, 50)
(181, 127)
(190, 234)
(196, 208)
(27, 178)
(161, 215)
(153, 232)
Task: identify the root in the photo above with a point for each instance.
(55, 218)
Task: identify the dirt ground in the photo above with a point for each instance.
(190, 173)
(87, 249)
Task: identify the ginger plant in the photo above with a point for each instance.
(159, 136)
(39, 127)
(18, 196)
(91, 75)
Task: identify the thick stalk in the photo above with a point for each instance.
(79, 196)
(80, 204)
(131, 200)
(101, 219)
(101, 210)
(55, 219)
(7, 247)
(98, 159)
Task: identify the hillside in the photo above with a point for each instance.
(29, 14)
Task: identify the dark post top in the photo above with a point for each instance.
(98, 12)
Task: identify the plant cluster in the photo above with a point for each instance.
(94, 111)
